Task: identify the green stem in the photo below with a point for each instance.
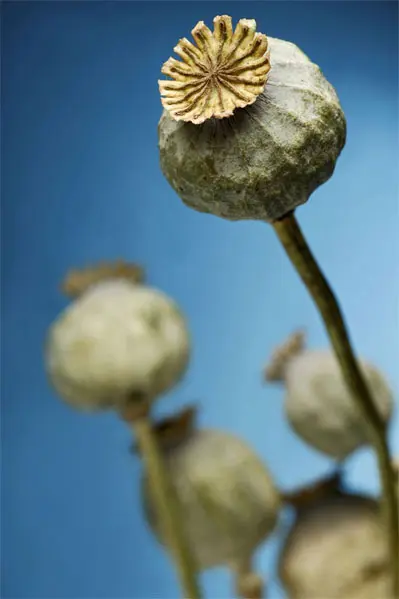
(298, 251)
(166, 504)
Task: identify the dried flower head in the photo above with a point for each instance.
(226, 70)
(228, 500)
(318, 404)
(264, 160)
(116, 341)
(77, 281)
(336, 548)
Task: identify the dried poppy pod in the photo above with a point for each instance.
(318, 405)
(116, 341)
(336, 548)
(250, 126)
(228, 501)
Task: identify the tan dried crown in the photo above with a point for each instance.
(173, 429)
(226, 70)
(274, 370)
(77, 281)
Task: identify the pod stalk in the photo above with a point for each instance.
(296, 247)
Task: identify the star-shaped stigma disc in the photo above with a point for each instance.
(226, 70)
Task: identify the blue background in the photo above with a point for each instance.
(81, 183)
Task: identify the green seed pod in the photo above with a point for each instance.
(336, 548)
(281, 141)
(229, 503)
(318, 405)
(117, 340)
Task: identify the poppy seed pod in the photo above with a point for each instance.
(318, 405)
(117, 340)
(228, 501)
(336, 548)
(250, 126)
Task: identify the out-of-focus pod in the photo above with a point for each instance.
(117, 341)
(318, 405)
(229, 502)
(336, 547)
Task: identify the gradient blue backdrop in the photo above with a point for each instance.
(81, 183)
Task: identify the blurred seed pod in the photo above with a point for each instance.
(318, 405)
(117, 340)
(259, 143)
(336, 548)
(228, 500)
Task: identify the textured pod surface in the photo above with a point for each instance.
(228, 500)
(336, 550)
(267, 158)
(115, 340)
(320, 408)
(226, 70)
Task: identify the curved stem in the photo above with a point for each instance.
(166, 505)
(298, 251)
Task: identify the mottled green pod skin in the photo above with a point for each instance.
(266, 159)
